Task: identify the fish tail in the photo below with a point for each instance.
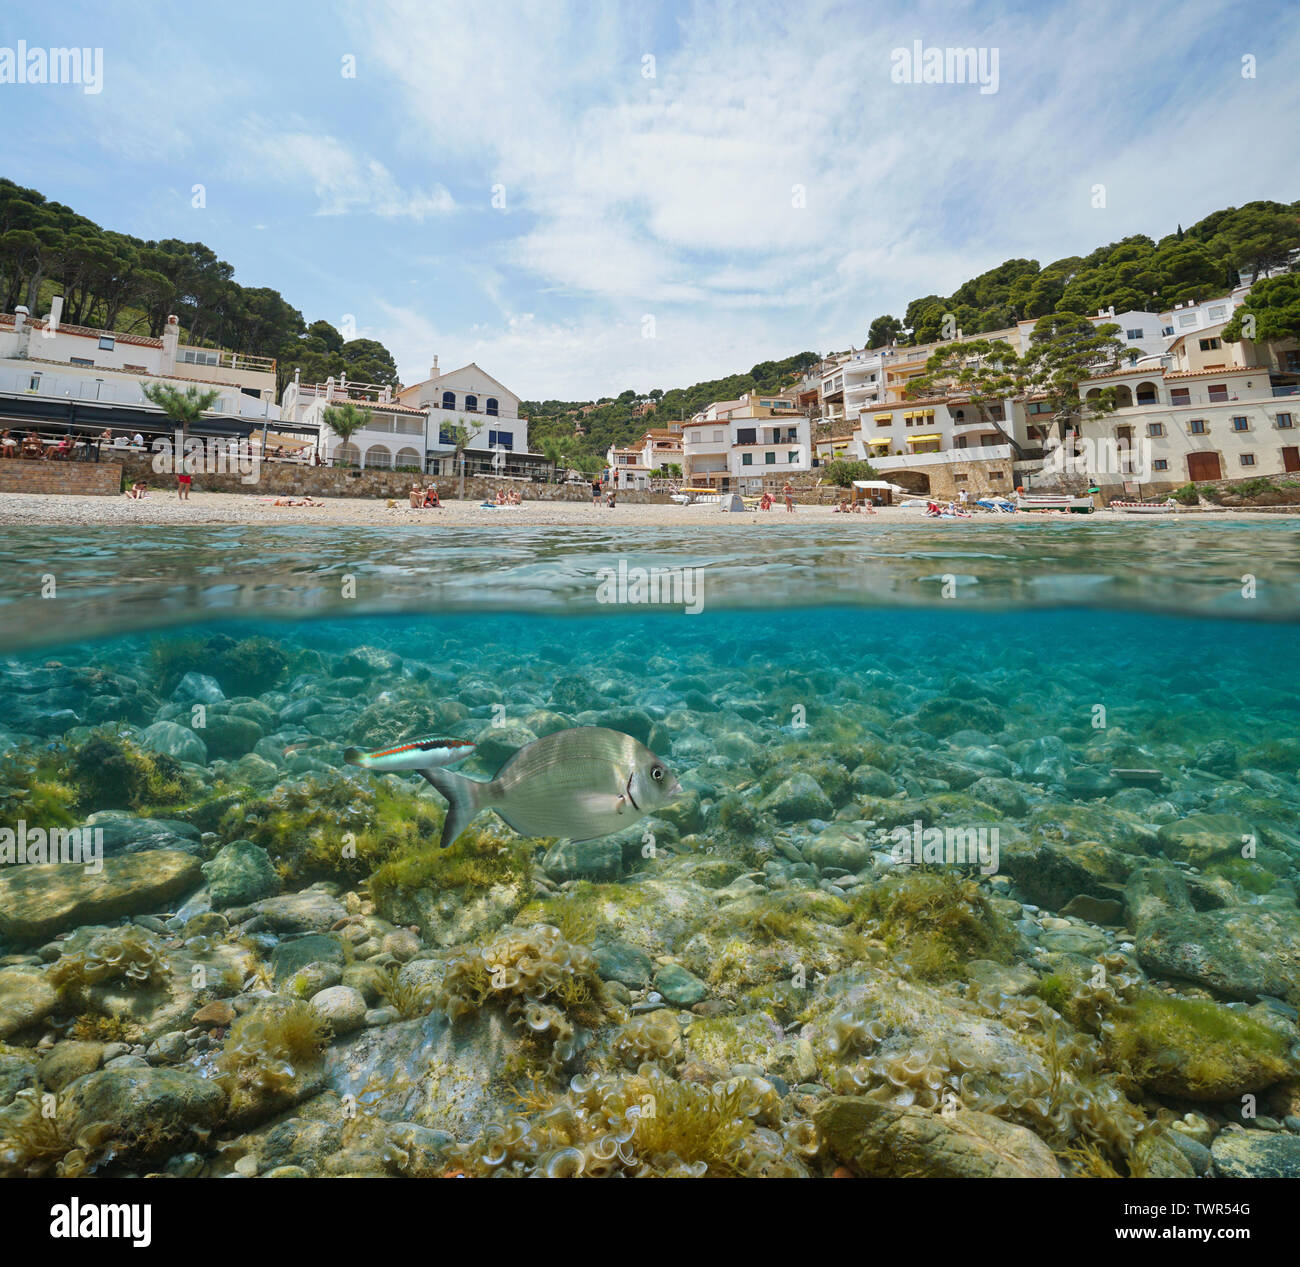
(465, 798)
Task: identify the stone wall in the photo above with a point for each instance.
(97, 479)
(276, 479)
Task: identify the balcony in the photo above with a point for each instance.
(212, 358)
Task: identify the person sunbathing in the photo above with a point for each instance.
(138, 491)
(417, 497)
(8, 445)
(431, 499)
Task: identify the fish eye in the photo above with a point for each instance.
(657, 772)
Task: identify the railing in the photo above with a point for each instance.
(226, 360)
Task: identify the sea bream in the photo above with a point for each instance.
(578, 784)
(415, 754)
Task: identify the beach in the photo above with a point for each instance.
(240, 508)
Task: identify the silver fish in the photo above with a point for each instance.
(416, 754)
(579, 784)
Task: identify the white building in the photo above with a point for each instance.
(739, 444)
(636, 465)
(48, 359)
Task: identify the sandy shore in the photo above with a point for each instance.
(240, 508)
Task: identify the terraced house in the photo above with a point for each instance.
(743, 444)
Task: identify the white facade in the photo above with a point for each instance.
(77, 363)
(744, 451)
(470, 398)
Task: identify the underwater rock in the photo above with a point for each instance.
(140, 1108)
(173, 740)
(290, 957)
(680, 987)
(198, 688)
(428, 1071)
(797, 799)
(342, 1007)
(497, 744)
(69, 1060)
(311, 911)
(1087, 782)
(1219, 757)
(884, 1141)
(621, 961)
(1096, 910)
(25, 998)
(1256, 1155)
(123, 832)
(368, 662)
(229, 736)
(1005, 795)
(1052, 874)
(1241, 951)
(36, 902)
(18, 1072)
(840, 846)
(1203, 838)
(240, 874)
(585, 860)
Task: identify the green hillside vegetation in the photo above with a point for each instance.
(613, 422)
(1135, 273)
(116, 282)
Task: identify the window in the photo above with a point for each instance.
(717, 437)
(445, 436)
(1217, 311)
(792, 456)
(747, 435)
(471, 404)
(1197, 426)
(997, 413)
(1180, 395)
(449, 400)
(1240, 424)
(81, 360)
(1284, 422)
(995, 475)
(1039, 407)
(1217, 391)
(1160, 465)
(1248, 459)
(1210, 345)
(506, 439)
(746, 459)
(1187, 319)
(959, 479)
(1167, 331)
(886, 421)
(106, 342)
(1134, 335)
(770, 458)
(1155, 428)
(492, 407)
(34, 383)
(199, 356)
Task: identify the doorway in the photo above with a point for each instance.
(1203, 466)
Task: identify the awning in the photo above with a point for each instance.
(881, 441)
(889, 417)
(918, 439)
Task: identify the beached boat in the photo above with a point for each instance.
(1056, 501)
(697, 497)
(1144, 508)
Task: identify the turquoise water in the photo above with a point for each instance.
(792, 955)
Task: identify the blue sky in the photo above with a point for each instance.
(768, 188)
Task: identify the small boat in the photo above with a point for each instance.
(697, 497)
(1144, 508)
(1056, 501)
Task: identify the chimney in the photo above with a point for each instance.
(171, 336)
(23, 331)
(52, 321)
(433, 369)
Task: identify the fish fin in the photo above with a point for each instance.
(353, 756)
(465, 797)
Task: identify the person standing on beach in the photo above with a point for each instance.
(595, 493)
(788, 493)
(183, 482)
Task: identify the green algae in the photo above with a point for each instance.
(938, 921)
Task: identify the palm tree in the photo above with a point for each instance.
(346, 420)
(184, 408)
(460, 437)
(552, 449)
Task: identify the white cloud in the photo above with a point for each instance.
(341, 180)
(674, 195)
